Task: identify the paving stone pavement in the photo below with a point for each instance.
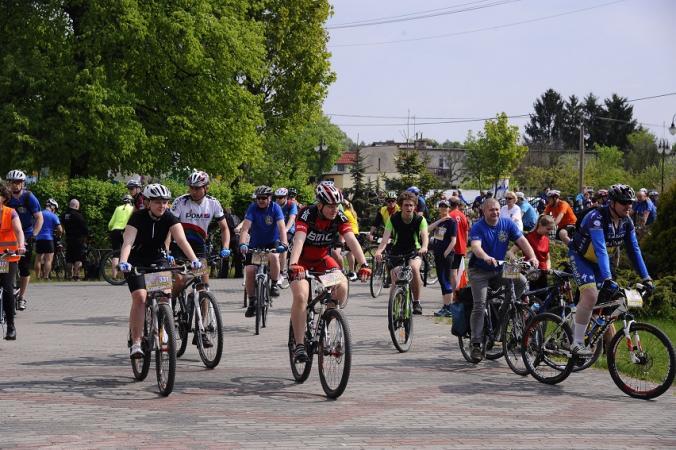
(66, 382)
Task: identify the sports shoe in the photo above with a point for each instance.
(352, 276)
(417, 309)
(299, 354)
(475, 354)
(443, 312)
(206, 342)
(579, 349)
(135, 351)
(21, 304)
(11, 332)
(251, 309)
(274, 290)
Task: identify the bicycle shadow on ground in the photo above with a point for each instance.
(89, 321)
(83, 361)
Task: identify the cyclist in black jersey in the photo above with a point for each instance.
(145, 244)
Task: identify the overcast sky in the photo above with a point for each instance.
(626, 47)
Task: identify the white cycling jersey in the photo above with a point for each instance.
(196, 217)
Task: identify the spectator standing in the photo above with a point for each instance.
(442, 242)
(460, 249)
(75, 226)
(30, 214)
(116, 227)
(511, 210)
(644, 208)
(528, 214)
(44, 242)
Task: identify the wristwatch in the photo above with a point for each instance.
(364, 266)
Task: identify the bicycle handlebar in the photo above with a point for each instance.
(140, 270)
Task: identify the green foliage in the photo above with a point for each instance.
(545, 127)
(496, 153)
(659, 246)
(413, 171)
(606, 169)
(642, 151)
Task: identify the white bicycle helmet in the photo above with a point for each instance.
(16, 175)
(281, 192)
(263, 191)
(133, 184)
(391, 194)
(327, 193)
(127, 199)
(52, 202)
(198, 179)
(156, 191)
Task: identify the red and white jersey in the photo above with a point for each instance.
(196, 217)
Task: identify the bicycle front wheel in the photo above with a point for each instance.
(260, 303)
(165, 355)
(512, 336)
(108, 271)
(545, 350)
(335, 353)
(300, 371)
(646, 370)
(377, 279)
(400, 318)
(141, 366)
(209, 344)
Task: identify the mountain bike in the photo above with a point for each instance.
(59, 262)
(400, 305)
(158, 328)
(109, 271)
(380, 277)
(196, 300)
(643, 366)
(327, 334)
(260, 257)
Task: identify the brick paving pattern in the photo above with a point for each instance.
(66, 382)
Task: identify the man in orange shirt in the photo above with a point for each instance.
(563, 214)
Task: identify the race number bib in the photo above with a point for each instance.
(439, 233)
(158, 281)
(634, 299)
(259, 258)
(202, 270)
(331, 278)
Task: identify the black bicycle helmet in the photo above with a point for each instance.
(293, 192)
(621, 193)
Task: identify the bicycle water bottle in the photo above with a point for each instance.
(535, 307)
(600, 321)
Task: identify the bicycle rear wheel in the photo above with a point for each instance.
(593, 341)
(377, 279)
(165, 355)
(59, 267)
(429, 270)
(512, 336)
(648, 371)
(211, 348)
(300, 371)
(400, 319)
(465, 347)
(108, 271)
(546, 343)
(182, 319)
(141, 366)
(335, 353)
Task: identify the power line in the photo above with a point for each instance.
(478, 30)
(427, 123)
(652, 96)
(409, 14)
(418, 17)
(365, 116)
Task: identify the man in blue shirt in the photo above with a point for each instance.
(528, 214)
(44, 242)
(645, 210)
(263, 227)
(490, 239)
(28, 208)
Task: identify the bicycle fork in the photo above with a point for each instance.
(631, 345)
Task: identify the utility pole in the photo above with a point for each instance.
(581, 157)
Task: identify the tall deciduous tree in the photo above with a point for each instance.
(642, 151)
(496, 151)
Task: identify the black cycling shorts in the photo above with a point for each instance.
(25, 261)
(457, 259)
(43, 246)
(74, 251)
(116, 239)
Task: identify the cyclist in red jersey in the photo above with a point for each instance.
(317, 228)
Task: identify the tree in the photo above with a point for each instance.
(413, 171)
(642, 151)
(592, 112)
(573, 116)
(496, 152)
(546, 124)
(359, 198)
(619, 122)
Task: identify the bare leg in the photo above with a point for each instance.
(300, 289)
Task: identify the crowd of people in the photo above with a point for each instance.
(149, 228)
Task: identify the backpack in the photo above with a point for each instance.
(461, 311)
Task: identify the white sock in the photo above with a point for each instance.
(578, 333)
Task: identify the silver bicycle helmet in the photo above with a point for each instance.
(156, 191)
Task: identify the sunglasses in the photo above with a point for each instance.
(510, 198)
(625, 202)
(262, 198)
(391, 200)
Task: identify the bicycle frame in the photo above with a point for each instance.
(323, 297)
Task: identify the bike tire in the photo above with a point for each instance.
(596, 348)
(335, 353)
(59, 267)
(300, 371)
(213, 328)
(465, 347)
(512, 337)
(265, 307)
(400, 320)
(490, 349)
(141, 366)
(165, 355)
(183, 320)
(660, 356)
(429, 270)
(260, 300)
(543, 349)
(106, 269)
(377, 279)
